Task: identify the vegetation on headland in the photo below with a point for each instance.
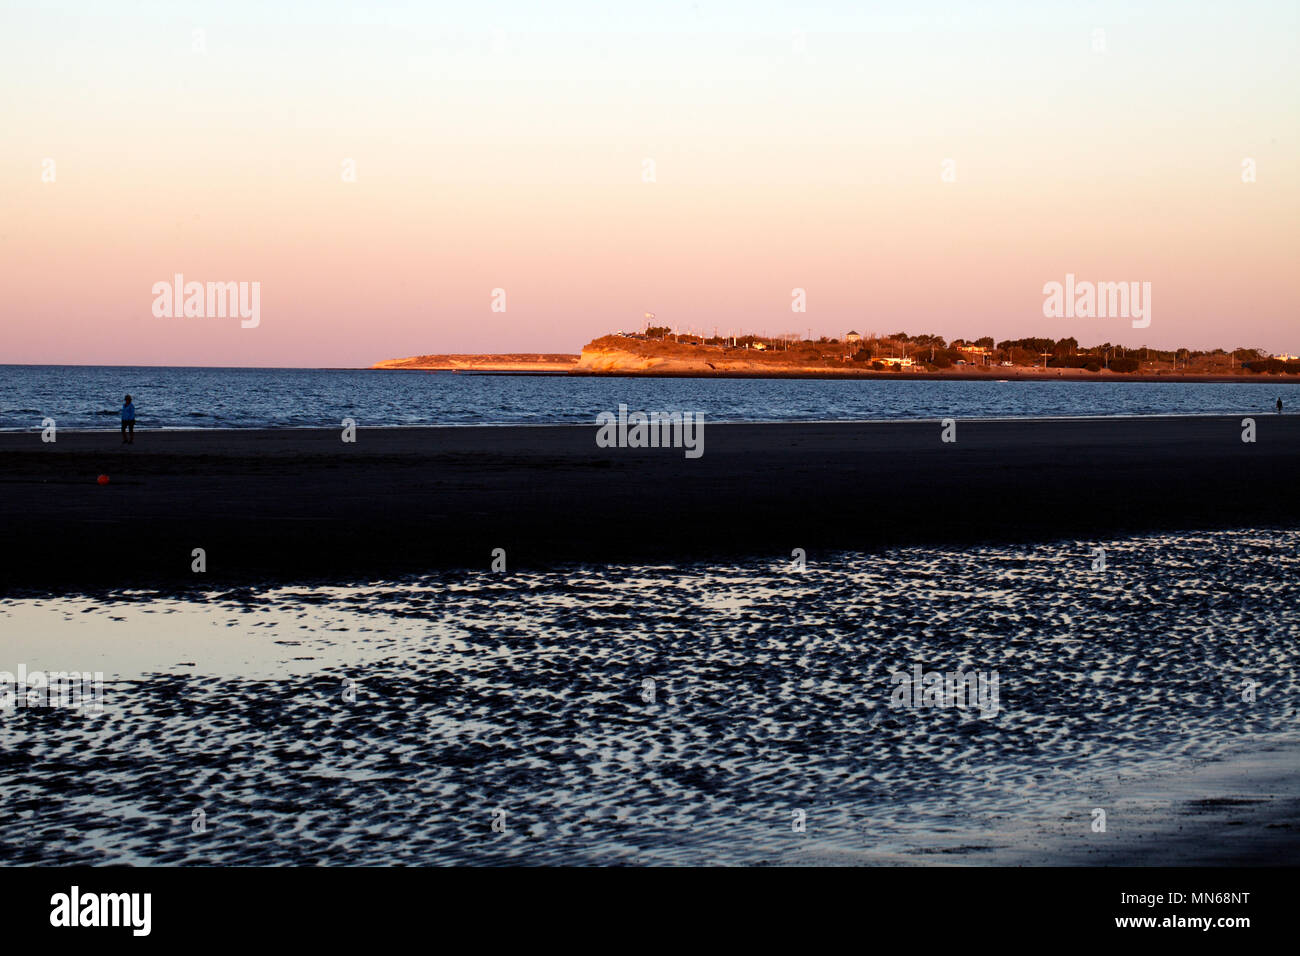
(660, 349)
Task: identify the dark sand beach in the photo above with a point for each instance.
(1241, 810)
(302, 504)
(1120, 694)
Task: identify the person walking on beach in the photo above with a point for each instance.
(1279, 406)
(128, 421)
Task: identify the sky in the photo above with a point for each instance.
(382, 169)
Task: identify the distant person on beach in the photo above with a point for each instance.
(128, 421)
(1279, 406)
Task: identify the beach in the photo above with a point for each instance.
(679, 714)
(300, 504)
(1238, 810)
(668, 656)
(1242, 810)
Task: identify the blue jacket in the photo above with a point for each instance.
(128, 412)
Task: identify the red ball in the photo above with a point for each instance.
(103, 479)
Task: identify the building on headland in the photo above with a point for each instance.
(852, 338)
(1287, 358)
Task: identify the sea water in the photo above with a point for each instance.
(80, 397)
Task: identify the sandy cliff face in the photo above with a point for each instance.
(615, 360)
(621, 355)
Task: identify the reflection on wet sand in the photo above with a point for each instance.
(640, 714)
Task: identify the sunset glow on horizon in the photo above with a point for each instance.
(926, 170)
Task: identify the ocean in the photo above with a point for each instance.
(87, 397)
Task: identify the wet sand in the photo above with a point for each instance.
(1242, 810)
(302, 504)
(772, 691)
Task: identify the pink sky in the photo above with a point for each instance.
(521, 167)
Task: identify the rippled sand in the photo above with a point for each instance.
(528, 694)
